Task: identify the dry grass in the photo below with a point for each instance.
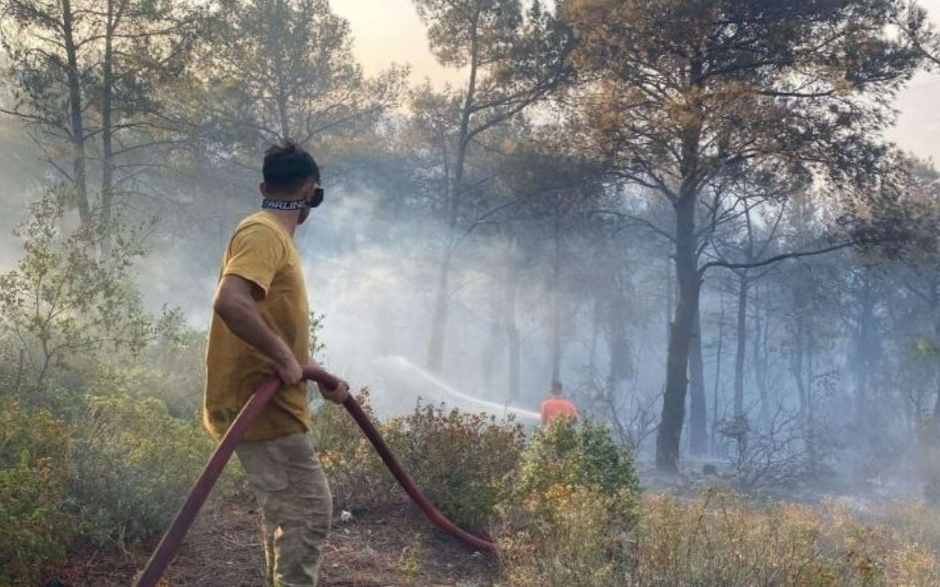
(725, 540)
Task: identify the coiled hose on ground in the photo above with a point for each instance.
(173, 537)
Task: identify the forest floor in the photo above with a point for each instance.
(391, 546)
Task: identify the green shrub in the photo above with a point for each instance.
(357, 476)
(576, 544)
(459, 460)
(34, 526)
(572, 456)
(567, 508)
(133, 466)
(171, 369)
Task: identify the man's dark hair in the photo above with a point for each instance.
(557, 387)
(287, 166)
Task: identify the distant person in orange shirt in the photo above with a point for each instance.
(556, 406)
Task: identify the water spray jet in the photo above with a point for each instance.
(489, 406)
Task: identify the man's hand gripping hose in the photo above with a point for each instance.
(173, 537)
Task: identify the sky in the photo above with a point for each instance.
(389, 31)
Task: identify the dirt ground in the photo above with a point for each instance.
(393, 546)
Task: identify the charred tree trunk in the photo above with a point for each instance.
(740, 356)
(688, 279)
(669, 435)
(698, 416)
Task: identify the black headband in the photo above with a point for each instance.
(290, 205)
(284, 205)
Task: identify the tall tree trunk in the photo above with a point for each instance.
(621, 358)
(283, 117)
(512, 328)
(668, 440)
(596, 315)
(492, 346)
(796, 362)
(677, 362)
(810, 347)
(863, 350)
(439, 321)
(698, 415)
(739, 358)
(107, 129)
(718, 357)
(670, 303)
(76, 117)
(759, 353)
(556, 297)
(281, 91)
(934, 302)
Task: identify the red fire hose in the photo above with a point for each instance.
(171, 541)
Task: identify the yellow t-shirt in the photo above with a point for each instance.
(261, 251)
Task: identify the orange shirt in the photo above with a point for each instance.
(556, 407)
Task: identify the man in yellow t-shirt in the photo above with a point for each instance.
(259, 329)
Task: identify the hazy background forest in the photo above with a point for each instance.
(716, 221)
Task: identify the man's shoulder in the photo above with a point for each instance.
(260, 224)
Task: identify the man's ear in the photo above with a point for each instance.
(263, 190)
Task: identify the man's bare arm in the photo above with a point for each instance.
(235, 304)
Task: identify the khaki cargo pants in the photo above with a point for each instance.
(295, 503)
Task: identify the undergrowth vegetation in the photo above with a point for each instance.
(99, 443)
(564, 505)
(35, 526)
(459, 460)
(724, 539)
(133, 463)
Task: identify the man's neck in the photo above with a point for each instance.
(288, 219)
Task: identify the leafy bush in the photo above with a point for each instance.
(133, 465)
(567, 508)
(66, 298)
(575, 545)
(34, 526)
(573, 456)
(171, 368)
(357, 476)
(459, 460)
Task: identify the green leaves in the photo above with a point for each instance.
(73, 292)
(284, 69)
